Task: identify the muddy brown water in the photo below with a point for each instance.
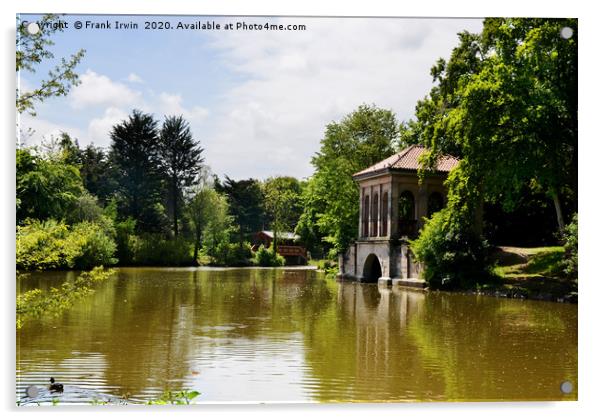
(259, 335)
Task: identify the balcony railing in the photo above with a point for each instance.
(291, 251)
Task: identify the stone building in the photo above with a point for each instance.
(393, 205)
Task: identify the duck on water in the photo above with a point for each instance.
(55, 386)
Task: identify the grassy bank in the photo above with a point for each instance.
(534, 273)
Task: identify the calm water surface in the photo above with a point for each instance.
(291, 335)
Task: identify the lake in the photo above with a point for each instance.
(260, 335)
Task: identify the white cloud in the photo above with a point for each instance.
(171, 104)
(297, 82)
(99, 129)
(134, 78)
(35, 130)
(96, 89)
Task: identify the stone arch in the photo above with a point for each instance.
(372, 269)
(435, 203)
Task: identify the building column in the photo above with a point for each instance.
(360, 231)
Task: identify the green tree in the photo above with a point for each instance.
(135, 156)
(181, 159)
(506, 103)
(46, 188)
(217, 228)
(245, 202)
(97, 173)
(361, 139)
(205, 206)
(282, 202)
(32, 49)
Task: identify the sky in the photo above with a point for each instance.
(258, 101)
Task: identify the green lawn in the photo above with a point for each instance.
(532, 272)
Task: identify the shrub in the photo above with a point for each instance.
(153, 249)
(453, 255)
(96, 245)
(570, 239)
(230, 254)
(267, 257)
(53, 245)
(127, 241)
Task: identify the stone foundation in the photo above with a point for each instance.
(395, 260)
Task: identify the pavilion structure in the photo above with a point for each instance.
(393, 206)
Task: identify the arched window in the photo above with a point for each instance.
(365, 213)
(384, 214)
(407, 214)
(435, 203)
(407, 206)
(375, 215)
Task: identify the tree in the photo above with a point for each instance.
(32, 49)
(361, 139)
(199, 208)
(180, 158)
(245, 202)
(98, 175)
(135, 156)
(282, 202)
(46, 188)
(506, 103)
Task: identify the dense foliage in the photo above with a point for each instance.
(55, 245)
(452, 254)
(505, 103)
(267, 257)
(570, 239)
(331, 200)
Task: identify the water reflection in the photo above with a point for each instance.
(285, 335)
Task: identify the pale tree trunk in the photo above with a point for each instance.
(558, 209)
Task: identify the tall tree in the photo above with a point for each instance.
(245, 201)
(506, 103)
(135, 156)
(32, 49)
(282, 202)
(361, 139)
(181, 160)
(97, 172)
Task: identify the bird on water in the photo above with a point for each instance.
(55, 386)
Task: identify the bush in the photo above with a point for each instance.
(153, 249)
(570, 239)
(53, 245)
(230, 254)
(97, 247)
(453, 256)
(127, 241)
(267, 257)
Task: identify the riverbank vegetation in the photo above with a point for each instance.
(79, 208)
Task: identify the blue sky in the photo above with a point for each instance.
(258, 101)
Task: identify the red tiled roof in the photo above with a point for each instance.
(408, 159)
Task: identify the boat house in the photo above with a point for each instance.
(393, 205)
